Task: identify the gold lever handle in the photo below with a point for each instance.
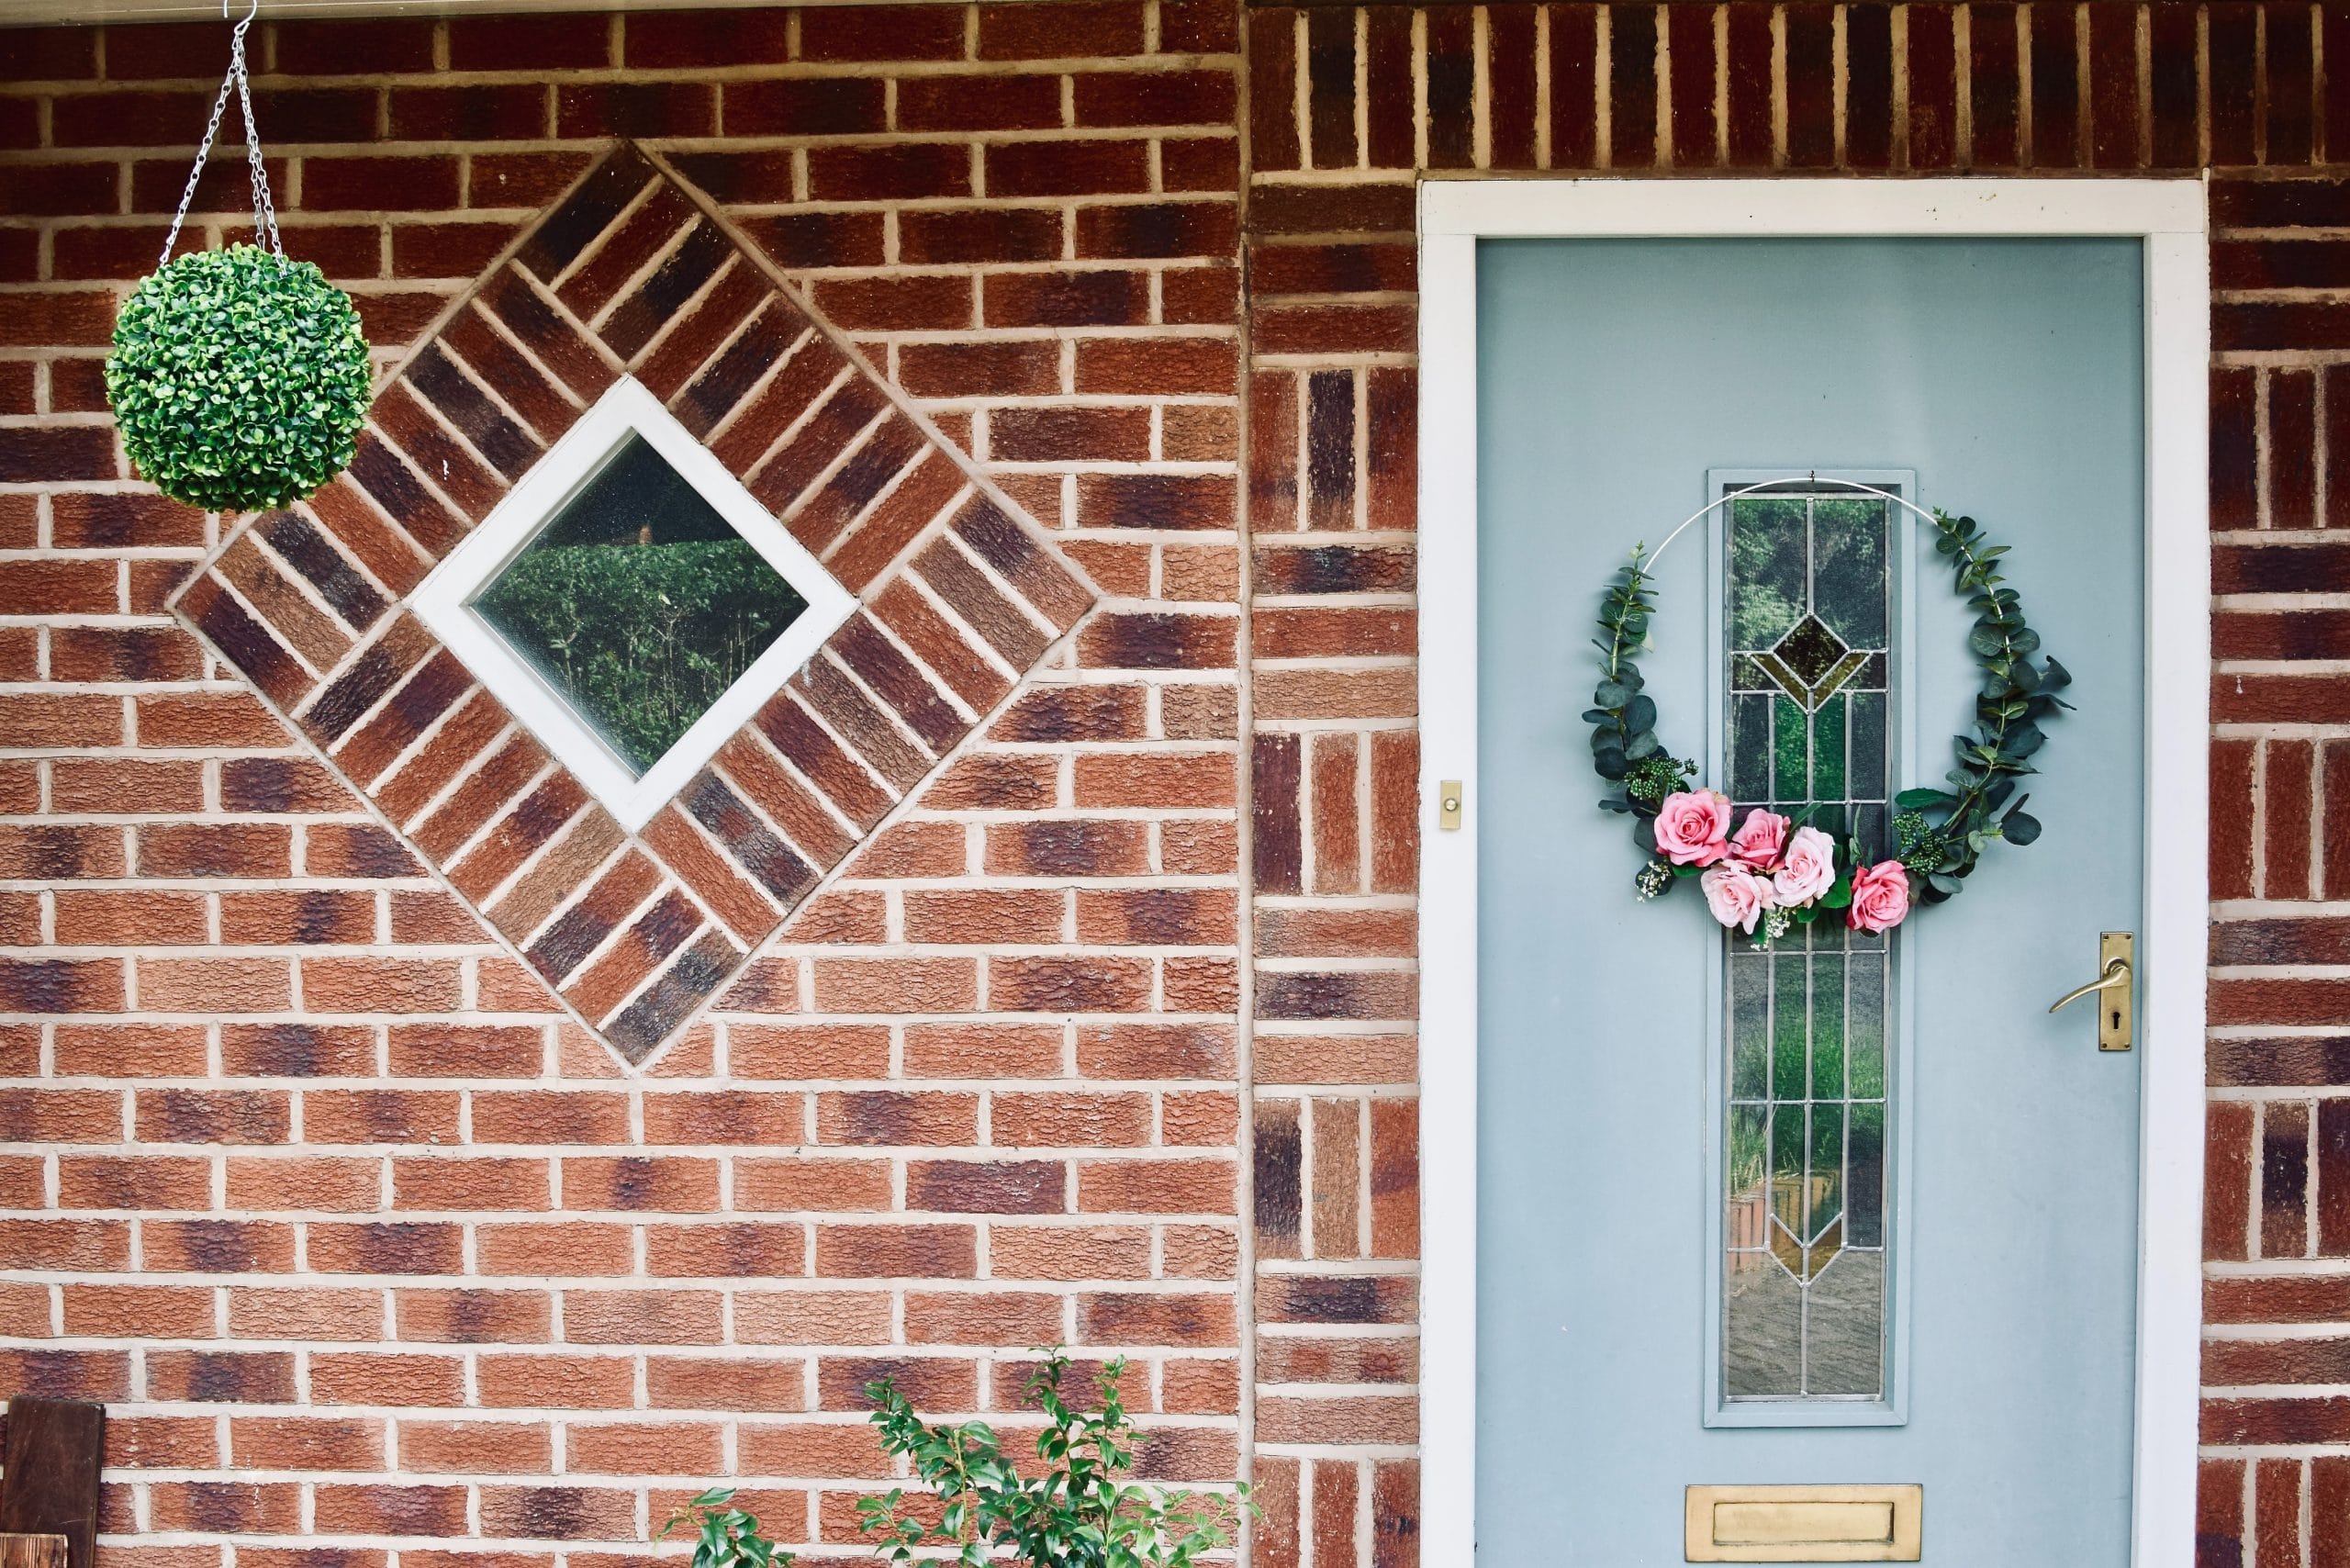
(2117, 954)
(2117, 973)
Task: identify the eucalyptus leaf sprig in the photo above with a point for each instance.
(1074, 1511)
(724, 1536)
(1624, 747)
(1941, 833)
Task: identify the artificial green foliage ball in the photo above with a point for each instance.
(239, 379)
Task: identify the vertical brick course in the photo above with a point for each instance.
(2278, 1178)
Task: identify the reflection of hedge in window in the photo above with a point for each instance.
(640, 604)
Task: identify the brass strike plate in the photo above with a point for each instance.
(1805, 1524)
(2116, 1010)
(1448, 805)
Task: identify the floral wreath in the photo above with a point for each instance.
(1764, 873)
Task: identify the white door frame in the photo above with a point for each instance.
(2169, 216)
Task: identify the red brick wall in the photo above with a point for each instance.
(1348, 107)
(374, 1256)
(369, 1249)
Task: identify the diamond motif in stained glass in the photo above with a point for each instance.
(1810, 649)
(1810, 662)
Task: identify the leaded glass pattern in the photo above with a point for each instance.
(1810, 631)
(1806, 1247)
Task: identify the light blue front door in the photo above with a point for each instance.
(1949, 1294)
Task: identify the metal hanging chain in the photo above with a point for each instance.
(265, 210)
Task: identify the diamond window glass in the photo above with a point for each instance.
(638, 604)
(1804, 1285)
(630, 603)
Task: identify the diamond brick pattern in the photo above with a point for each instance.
(959, 598)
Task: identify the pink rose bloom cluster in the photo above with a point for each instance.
(1770, 864)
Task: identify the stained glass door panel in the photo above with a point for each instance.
(1808, 592)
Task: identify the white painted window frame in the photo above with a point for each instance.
(2167, 216)
(444, 601)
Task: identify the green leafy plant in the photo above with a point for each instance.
(1072, 1511)
(239, 379)
(642, 638)
(2016, 697)
(725, 1537)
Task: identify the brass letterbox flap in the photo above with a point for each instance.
(1805, 1524)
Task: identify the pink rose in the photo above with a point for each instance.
(1693, 827)
(1807, 870)
(1737, 896)
(1880, 897)
(1760, 838)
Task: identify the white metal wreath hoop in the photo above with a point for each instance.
(1811, 478)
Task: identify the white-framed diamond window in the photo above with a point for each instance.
(630, 603)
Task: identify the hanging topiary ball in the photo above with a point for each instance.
(239, 379)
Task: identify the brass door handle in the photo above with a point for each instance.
(2117, 972)
(2117, 954)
